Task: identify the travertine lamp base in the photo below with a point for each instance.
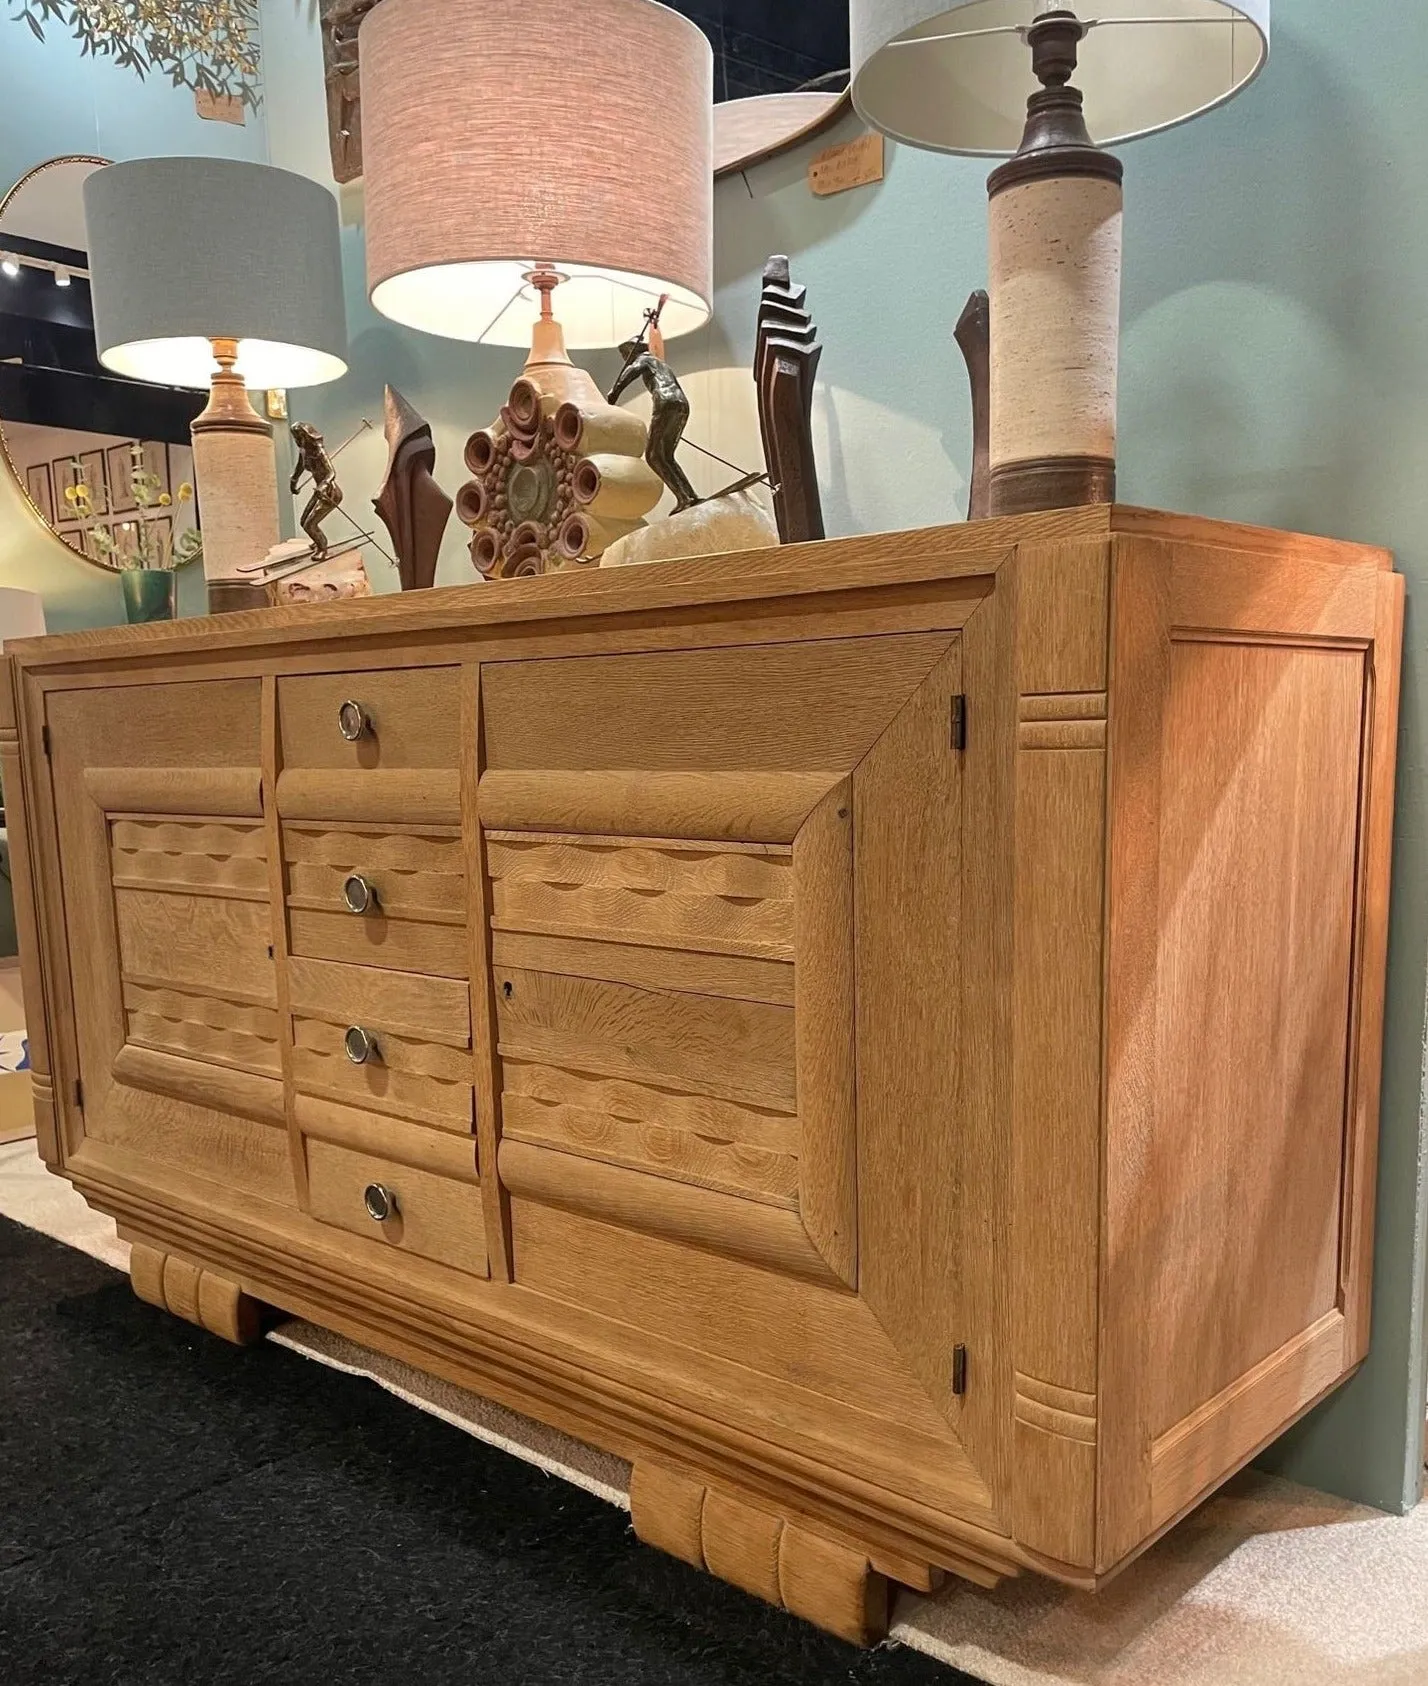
(1055, 291)
(235, 468)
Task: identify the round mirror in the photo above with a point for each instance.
(105, 463)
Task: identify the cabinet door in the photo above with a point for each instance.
(725, 894)
(163, 855)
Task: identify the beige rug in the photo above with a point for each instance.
(1267, 1585)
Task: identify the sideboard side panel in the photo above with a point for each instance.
(1248, 715)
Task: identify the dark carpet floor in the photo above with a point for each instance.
(175, 1512)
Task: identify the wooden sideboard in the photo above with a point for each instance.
(883, 1035)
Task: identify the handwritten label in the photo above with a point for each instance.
(856, 163)
(220, 108)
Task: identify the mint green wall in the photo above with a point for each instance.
(1275, 369)
(52, 102)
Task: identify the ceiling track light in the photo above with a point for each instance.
(10, 266)
(62, 277)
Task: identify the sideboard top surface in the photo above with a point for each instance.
(877, 560)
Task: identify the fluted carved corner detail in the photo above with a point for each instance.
(199, 1296)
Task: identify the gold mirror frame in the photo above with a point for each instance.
(11, 466)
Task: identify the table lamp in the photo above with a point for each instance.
(993, 77)
(517, 147)
(207, 272)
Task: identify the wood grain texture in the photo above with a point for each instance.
(199, 857)
(1226, 1431)
(824, 1031)
(176, 790)
(908, 888)
(785, 707)
(739, 1051)
(825, 1582)
(1371, 965)
(434, 1009)
(374, 939)
(435, 1217)
(735, 976)
(412, 713)
(677, 740)
(179, 939)
(680, 1211)
(407, 1077)
(737, 807)
(23, 864)
(483, 1009)
(195, 1294)
(442, 1152)
(417, 798)
(199, 1081)
(1063, 616)
(1259, 833)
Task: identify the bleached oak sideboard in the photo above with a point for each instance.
(883, 1035)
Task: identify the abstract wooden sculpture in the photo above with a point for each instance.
(974, 335)
(411, 504)
(341, 20)
(786, 359)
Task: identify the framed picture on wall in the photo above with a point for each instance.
(39, 483)
(91, 470)
(121, 478)
(156, 462)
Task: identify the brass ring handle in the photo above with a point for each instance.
(359, 895)
(380, 1201)
(353, 721)
(359, 1045)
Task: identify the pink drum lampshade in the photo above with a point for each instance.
(505, 136)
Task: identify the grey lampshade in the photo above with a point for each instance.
(183, 251)
(954, 77)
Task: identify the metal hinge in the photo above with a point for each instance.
(45, 738)
(79, 1094)
(959, 1369)
(959, 724)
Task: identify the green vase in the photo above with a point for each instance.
(150, 594)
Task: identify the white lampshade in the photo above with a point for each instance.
(956, 78)
(503, 136)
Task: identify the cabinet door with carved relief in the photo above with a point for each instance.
(725, 893)
(164, 859)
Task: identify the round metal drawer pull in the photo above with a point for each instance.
(360, 1045)
(352, 721)
(359, 895)
(380, 1201)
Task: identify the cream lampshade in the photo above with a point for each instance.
(994, 77)
(513, 144)
(197, 262)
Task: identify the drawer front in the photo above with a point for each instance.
(433, 1009)
(409, 885)
(409, 718)
(433, 1217)
(409, 1078)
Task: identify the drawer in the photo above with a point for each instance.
(409, 718)
(378, 897)
(363, 1064)
(434, 1217)
(436, 1009)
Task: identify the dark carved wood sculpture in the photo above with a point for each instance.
(411, 503)
(786, 359)
(974, 335)
(341, 20)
